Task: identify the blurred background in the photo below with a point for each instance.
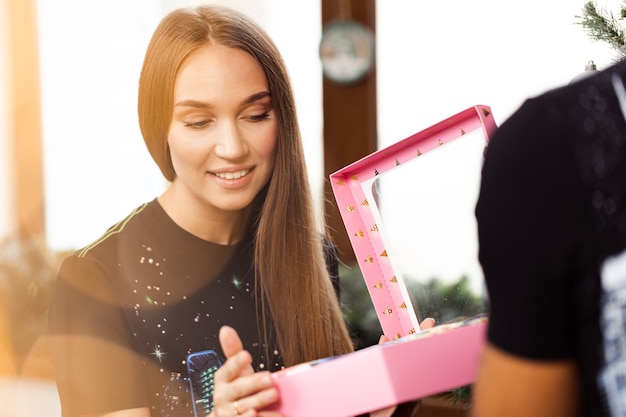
(72, 161)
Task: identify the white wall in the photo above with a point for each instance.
(436, 58)
(95, 162)
(7, 214)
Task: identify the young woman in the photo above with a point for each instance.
(233, 241)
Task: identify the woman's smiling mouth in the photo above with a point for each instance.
(232, 175)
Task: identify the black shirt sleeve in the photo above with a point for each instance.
(90, 344)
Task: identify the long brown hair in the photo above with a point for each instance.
(292, 281)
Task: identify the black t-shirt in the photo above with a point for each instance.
(130, 307)
(552, 220)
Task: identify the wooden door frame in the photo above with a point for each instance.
(350, 119)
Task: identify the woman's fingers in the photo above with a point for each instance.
(233, 347)
(259, 400)
(252, 392)
(238, 389)
(427, 323)
(230, 341)
(238, 365)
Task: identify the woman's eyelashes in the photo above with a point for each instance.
(197, 125)
(260, 117)
(255, 118)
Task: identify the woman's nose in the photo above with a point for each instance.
(230, 143)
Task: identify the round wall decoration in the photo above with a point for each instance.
(346, 51)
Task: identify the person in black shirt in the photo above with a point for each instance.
(552, 242)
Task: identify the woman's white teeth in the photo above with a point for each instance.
(233, 175)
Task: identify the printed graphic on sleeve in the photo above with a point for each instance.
(612, 377)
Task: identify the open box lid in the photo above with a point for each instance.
(355, 191)
(418, 365)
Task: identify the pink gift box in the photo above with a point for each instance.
(415, 363)
(382, 375)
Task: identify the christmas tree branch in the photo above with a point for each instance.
(604, 27)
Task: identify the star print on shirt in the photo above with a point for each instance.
(236, 282)
(158, 354)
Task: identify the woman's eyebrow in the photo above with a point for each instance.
(256, 97)
(192, 103)
(204, 105)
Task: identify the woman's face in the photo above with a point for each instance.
(222, 137)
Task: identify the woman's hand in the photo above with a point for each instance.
(427, 323)
(239, 391)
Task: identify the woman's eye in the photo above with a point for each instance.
(259, 117)
(197, 125)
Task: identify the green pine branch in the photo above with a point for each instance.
(602, 26)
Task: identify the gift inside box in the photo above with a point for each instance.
(409, 212)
